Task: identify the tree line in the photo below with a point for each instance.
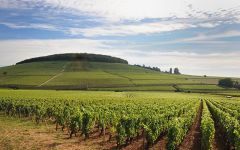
(171, 70)
(76, 57)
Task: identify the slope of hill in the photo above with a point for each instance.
(110, 75)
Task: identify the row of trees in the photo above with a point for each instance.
(150, 68)
(171, 70)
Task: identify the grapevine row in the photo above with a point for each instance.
(125, 122)
(229, 124)
(207, 128)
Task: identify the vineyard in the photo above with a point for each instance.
(101, 76)
(126, 118)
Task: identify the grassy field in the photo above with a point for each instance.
(137, 88)
(200, 87)
(36, 68)
(91, 95)
(30, 74)
(99, 76)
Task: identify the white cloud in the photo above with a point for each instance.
(113, 14)
(29, 26)
(206, 37)
(115, 10)
(12, 4)
(123, 30)
(203, 38)
(149, 28)
(208, 25)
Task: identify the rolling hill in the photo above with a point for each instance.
(96, 72)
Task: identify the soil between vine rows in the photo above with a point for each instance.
(192, 141)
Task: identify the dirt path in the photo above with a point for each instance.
(218, 142)
(136, 145)
(57, 75)
(161, 144)
(50, 79)
(193, 139)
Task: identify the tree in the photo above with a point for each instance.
(176, 71)
(170, 71)
(226, 82)
(236, 85)
(4, 73)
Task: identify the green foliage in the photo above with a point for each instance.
(76, 123)
(176, 134)
(207, 128)
(97, 76)
(230, 124)
(180, 126)
(76, 57)
(121, 134)
(176, 71)
(126, 114)
(88, 121)
(226, 82)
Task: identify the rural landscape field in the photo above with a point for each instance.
(98, 103)
(119, 75)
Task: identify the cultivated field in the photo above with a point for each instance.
(118, 120)
(98, 75)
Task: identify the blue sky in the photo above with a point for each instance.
(198, 36)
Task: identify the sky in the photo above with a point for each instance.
(197, 36)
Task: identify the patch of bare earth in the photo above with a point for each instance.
(219, 142)
(192, 140)
(23, 135)
(161, 144)
(137, 144)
